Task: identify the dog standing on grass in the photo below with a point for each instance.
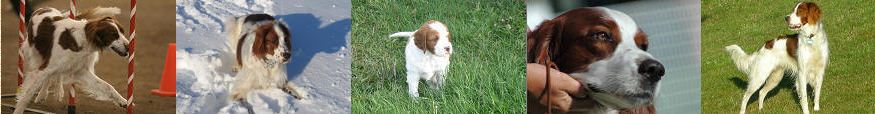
(805, 54)
(428, 55)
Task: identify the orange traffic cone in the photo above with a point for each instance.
(168, 80)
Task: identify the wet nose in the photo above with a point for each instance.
(787, 18)
(447, 49)
(652, 69)
(286, 55)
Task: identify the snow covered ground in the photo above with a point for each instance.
(320, 60)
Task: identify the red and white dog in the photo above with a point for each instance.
(60, 51)
(262, 46)
(804, 54)
(427, 54)
(605, 50)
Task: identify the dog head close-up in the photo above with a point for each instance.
(434, 37)
(272, 42)
(604, 49)
(805, 17)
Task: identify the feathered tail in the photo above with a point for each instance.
(739, 57)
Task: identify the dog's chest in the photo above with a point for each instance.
(814, 54)
(420, 60)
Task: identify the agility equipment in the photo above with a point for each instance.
(168, 79)
(71, 103)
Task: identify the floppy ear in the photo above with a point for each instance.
(100, 32)
(813, 14)
(540, 42)
(425, 38)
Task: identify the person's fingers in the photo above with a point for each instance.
(563, 82)
(558, 100)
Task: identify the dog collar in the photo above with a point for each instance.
(810, 39)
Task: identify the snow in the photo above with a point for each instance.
(320, 57)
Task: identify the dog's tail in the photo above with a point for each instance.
(741, 59)
(402, 34)
(99, 13)
(233, 26)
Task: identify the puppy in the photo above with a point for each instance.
(428, 55)
(262, 47)
(606, 50)
(60, 52)
(805, 54)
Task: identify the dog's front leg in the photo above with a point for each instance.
(413, 84)
(817, 85)
(802, 88)
(98, 89)
(291, 88)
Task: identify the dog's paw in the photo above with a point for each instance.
(236, 68)
(236, 96)
(123, 105)
(298, 94)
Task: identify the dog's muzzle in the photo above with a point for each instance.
(120, 51)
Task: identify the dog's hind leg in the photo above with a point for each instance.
(773, 80)
(437, 81)
(31, 85)
(757, 78)
(98, 89)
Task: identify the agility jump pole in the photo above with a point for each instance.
(133, 45)
(71, 100)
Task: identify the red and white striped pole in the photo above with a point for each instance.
(133, 24)
(21, 35)
(71, 100)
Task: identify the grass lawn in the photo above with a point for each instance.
(487, 73)
(848, 81)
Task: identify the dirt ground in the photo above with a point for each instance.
(155, 29)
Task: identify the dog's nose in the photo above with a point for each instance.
(286, 56)
(652, 69)
(787, 18)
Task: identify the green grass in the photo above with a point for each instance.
(487, 72)
(848, 81)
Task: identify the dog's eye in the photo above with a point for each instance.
(604, 36)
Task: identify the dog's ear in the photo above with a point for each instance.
(425, 37)
(101, 33)
(266, 40)
(813, 14)
(540, 43)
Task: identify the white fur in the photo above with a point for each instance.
(765, 68)
(619, 73)
(257, 73)
(66, 67)
(424, 65)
